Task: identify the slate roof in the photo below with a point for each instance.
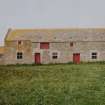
(57, 35)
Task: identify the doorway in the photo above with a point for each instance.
(76, 58)
(37, 58)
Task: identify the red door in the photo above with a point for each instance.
(37, 58)
(76, 58)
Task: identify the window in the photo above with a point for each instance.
(19, 42)
(19, 55)
(71, 44)
(54, 55)
(44, 45)
(94, 55)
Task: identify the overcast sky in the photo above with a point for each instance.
(50, 14)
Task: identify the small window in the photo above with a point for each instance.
(19, 55)
(71, 44)
(94, 55)
(44, 45)
(19, 42)
(54, 55)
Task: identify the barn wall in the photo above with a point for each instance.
(65, 52)
(11, 49)
(86, 48)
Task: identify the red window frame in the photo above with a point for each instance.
(44, 45)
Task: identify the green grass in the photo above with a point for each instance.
(66, 84)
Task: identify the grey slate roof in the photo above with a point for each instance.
(57, 35)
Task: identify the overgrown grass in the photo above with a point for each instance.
(66, 84)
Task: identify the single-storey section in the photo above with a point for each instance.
(29, 46)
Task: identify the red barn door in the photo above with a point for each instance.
(76, 58)
(37, 58)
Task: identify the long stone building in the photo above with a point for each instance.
(29, 46)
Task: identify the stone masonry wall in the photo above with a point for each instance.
(11, 49)
(64, 50)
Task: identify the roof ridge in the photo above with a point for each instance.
(57, 29)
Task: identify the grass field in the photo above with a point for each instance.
(66, 84)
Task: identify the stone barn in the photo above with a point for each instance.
(45, 46)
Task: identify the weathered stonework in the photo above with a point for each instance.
(85, 41)
(11, 49)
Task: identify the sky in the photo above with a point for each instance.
(50, 14)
